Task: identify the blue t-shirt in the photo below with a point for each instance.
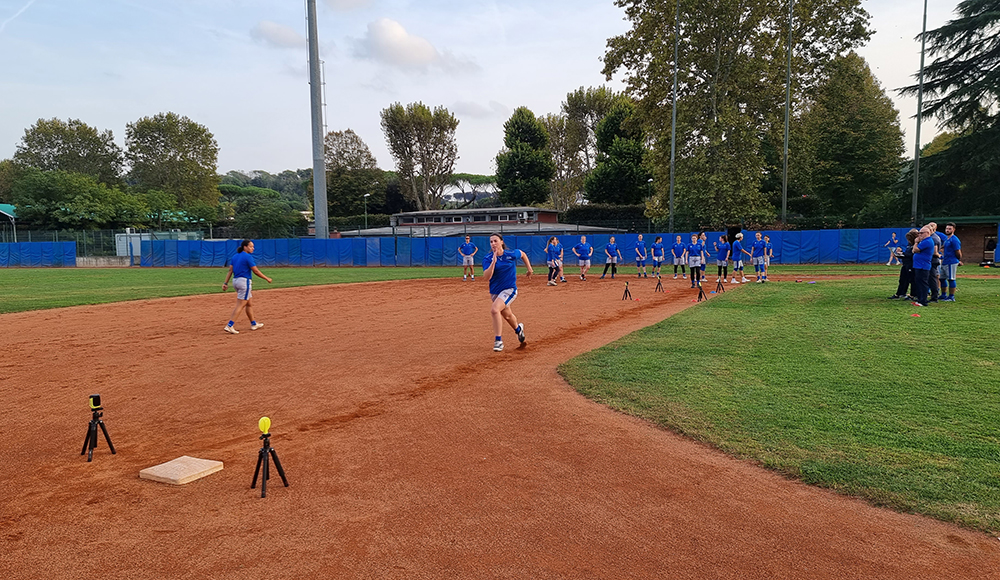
(612, 249)
(553, 251)
(694, 249)
(678, 249)
(723, 251)
(584, 250)
(768, 249)
(922, 258)
(467, 249)
(737, 250)
(951, 247)
(242, 263)
(657, 249)
(505, 272)
(757, 249)
(640, 250)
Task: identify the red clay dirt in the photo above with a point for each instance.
(412, 450)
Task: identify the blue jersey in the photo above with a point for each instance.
(952, 245)
(242, 265)
(678, 249)
(768, 249)
(757, 249)
(585, 250)
(694, 249)
(657, 249)
(553, 251)
(737, 250)
(467, 249)
(611, 249)
(640, 250)
(723, 251)
(505, 272)
(922, 258)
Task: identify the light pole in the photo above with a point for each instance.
(788, 106)
(673, 117)
(366, 210)
(920, 113)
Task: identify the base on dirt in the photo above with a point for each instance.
(182, 470)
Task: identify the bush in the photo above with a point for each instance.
(604, 212)
(354, 222)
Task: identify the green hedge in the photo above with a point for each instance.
(603, 212)
(354, 222)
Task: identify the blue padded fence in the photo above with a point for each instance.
(38, 255)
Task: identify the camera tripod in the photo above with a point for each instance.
(701, 292)
(263, 456)
(720, 287)
(627, 295)
(90, 443)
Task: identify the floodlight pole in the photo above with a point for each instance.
(673, 117)
(322, 221)
(366, 210)
(788, 106)
(920, 111)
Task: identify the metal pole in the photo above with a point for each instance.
(920, 109)
(366, 210)
(673, 115)
(788, 106)
(316, 100)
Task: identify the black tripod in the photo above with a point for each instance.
(720, 287)
(659, 284)
(267, 452)
(90, 443)
(627, 295)
(701, 292)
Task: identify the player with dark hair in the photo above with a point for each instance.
(241, 270)
(703, 240)
(738, 252)
(583, 252)
(695, 255)
(468, 251)
(640, 257)
(657, 251)
(757, 258)
(678, 250)
(614, 256)
(500, 270)
(894, 253)
(923, 252)
(951, 259)
(722, 248)
(554, 256)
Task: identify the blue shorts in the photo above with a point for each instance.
(639, 263)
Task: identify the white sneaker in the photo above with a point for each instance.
(464, 278)
(230, 329)
(553, 283)
(520, 332)
(745, 280)
(734, 281)
(497, 346)
(257, 326)
(675, 276)
(473, 276)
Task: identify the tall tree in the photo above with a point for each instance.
(584, 108)
(730, 91)
(174, 154)
(63, 200)
(54, 144)
(9, 172)
(855, 144)
(352, 172)
(422, 143)
(620, 176)
(524, 166)
(565, 151)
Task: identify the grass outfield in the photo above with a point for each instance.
(830, 383)
(40, 288)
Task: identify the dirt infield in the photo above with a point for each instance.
(412, 449)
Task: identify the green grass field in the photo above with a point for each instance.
(830, 383)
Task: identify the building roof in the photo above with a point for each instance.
(478, 229)
(474, 210)
(8, 210)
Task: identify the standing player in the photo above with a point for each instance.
(923, 252)
(583, 252)
(738, 252)
(500, 269)
(893, 245)
(640, 257)
(677, 251)
(722, 248)
(757, 258)
(695, 255)
(554, 255)
(241, 270)
(950, 261)
(468, 251)
(614, 256)
(657, 251)
(768, 254)
(703, 240)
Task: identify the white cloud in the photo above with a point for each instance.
(345, 5)
(388, 42)
(477, 111)
(277, 35)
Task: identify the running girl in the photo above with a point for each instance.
(640, 257)
(657, 251)
(678, 250)
(241, 270)
(500, 270)
(614, 256)
(554, 255)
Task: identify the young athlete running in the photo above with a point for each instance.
(500, 269)
(678, 250)
(614, 256)
(695, 254)
(657, 251)
(241, 270)
(468, 251)
(583, 252)
(640, 257)
(738, 252)
(757, 258)
(554, 254)
(722, 258)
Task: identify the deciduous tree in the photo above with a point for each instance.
(567, 185)
(620, 176)
(524, 167)
(422, 143)
(172, 153)
(351, 172)
(74, 146)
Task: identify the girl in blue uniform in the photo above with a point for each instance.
(554, 256)
(640, 257)
(678, 251)
(500, 270)
(614, 256)
(657, 251)
(241, 270)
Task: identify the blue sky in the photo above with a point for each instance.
(239, 66)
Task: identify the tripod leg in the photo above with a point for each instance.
(93, 442)
(266, 475)
(86, 441)
(256, 471)
(106, 437)
(277, 464)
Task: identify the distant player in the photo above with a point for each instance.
(468, 251)
(757, 258)
(614, 256)
(678, 251)
(722, 251)
(241, 269)
(703, 240)
(893, 245)
(554, 257)
(640, 257)
(738, 253)
(950, 261)
(583, 252)
(695, 254)
(768, 254)
(657, 251)
(500, 269)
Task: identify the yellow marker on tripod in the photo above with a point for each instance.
(264, 425)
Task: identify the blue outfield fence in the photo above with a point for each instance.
(848, 246)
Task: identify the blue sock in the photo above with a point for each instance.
(230, 323)
(253, 322)
(499, 339)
